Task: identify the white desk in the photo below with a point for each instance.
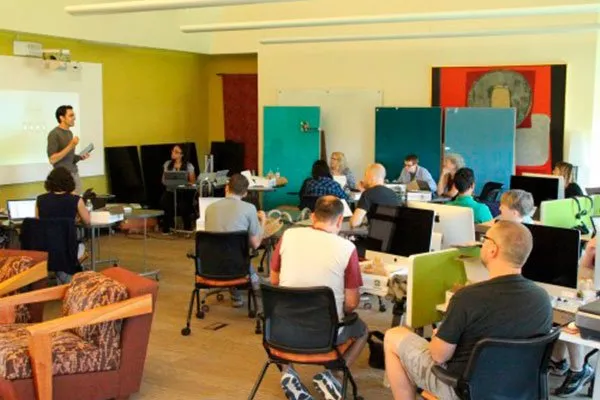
(594, 344)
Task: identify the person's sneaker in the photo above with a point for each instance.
(558, 368)
(236, 299)
(574, 382)
(327, 385)
(293, 388)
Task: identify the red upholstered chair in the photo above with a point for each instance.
(22, 270)
(95, 351)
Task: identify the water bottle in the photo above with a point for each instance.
(277, 174)
(89, 205)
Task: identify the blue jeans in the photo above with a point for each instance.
(63, 278)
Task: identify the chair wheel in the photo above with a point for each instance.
(220, 297)
(186, 331)
(252, 314)
(367, 306)
(382, 308)
(205, 308)
(200, 315)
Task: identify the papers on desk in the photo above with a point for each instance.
(259, 181)
(347, 210)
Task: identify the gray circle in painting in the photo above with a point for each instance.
(480, 94)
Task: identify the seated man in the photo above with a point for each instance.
(506, 306)
(464, 182)
(374, 193)
(517, 205)
(232, 214)
(317, 256)
(412, 172)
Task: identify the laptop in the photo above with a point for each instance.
(18, 210)
(418, 185)
(176, 178)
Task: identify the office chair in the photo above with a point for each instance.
(301, 327)
(490, 191)
(222, 262)
(308, 202)
(504, 369)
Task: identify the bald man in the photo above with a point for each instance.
(506, 306)
(374, 194)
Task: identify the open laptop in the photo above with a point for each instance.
(174, 179)
(18, 210)
(418, 185)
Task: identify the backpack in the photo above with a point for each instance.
(376, 354)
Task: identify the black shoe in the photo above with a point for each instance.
(574, 382)
(558, 368)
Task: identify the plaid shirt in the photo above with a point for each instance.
(322, 187)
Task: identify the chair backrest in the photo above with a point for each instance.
(222, 255)
(135, 331)
(490, 191)
(57, 237)
(509, 369)
(300, 320)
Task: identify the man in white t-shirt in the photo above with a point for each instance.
(317, 256)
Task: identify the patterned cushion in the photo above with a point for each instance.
(70, 354)
(89, 290)
(10, 267)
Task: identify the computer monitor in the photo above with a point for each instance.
(203, 203)
(542, 187)
(455, 224)
(401, 230)
(554, 259)
(18, 210)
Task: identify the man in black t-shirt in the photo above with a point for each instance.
(506, 306)
(374, 193)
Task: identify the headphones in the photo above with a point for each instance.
(581, 213)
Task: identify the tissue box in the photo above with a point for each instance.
(105, 217)
(375, 284)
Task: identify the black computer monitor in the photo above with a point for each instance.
(541, 189)
(555, 256)
(400, 230)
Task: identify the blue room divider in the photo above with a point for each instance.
(485, 137)
(403, 131)
(288, 148)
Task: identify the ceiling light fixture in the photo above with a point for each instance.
(156, 5)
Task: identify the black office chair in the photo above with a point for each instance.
(222, 262)
(57, 237)
(301, 327)
(504, 369)
(490, 192)
(308, 202)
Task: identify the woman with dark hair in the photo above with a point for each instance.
(565, 170)
(321, 183)
(178, 162)
(60, 202)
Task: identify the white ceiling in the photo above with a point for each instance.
(161, 29)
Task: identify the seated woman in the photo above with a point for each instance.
(339, 167)
(517, 205)
(178, 162)
(452, 163)
(565, 170)
(60, 202)
(320, 183)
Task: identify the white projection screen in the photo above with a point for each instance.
(29, 97)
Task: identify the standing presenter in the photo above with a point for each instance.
(62, 143)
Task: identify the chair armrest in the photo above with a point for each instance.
(29, 276)
(124, 309)
(37, 296)
(445, 376)
(349, 319)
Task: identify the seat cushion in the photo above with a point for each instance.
(10, 267)
(222, 283)
(312, 358)
(70, 354)
(89, 290)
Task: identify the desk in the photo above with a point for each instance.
(94, 245)
(254, 194)
(594, 344)
(145, 215)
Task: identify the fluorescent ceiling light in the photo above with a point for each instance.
(157, 5)
(395, 18)
(435, 35)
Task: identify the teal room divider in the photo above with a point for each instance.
(290, 149)
(403, 131)
(485, 137)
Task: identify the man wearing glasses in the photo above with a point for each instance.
(413, 172)
(506, 306)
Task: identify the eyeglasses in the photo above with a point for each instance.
(485, 237)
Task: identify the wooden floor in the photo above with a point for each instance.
(210, 364)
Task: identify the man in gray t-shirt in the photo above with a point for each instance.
(232, 214)
(62, 143)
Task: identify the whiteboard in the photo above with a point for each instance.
(29, 97)
(348, 119)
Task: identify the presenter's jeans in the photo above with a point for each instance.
(77, 179)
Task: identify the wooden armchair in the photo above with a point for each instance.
(95, 351)
(20, 269)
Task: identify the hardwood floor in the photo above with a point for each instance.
(220, 364)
